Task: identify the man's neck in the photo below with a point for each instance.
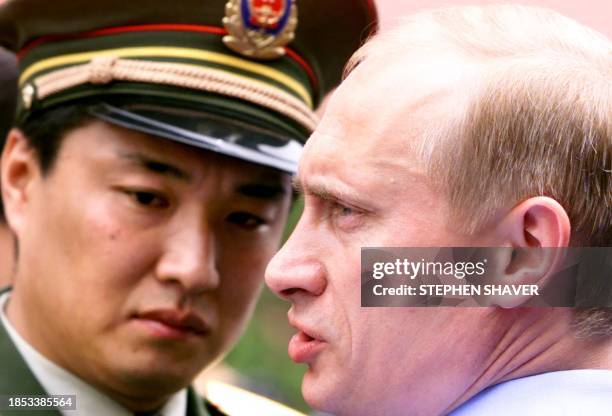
(538, 342)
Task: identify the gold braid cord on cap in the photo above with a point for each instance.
(104, 69)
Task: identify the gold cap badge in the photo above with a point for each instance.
(260, 28)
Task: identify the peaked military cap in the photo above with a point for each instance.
(239, 77)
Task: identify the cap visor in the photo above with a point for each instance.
(218, 134)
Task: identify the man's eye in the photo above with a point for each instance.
(343, 211)
(149, 199)
(339, 210)
(345, 217)
(245, 220)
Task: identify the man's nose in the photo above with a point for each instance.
(296, 270)
(189, 258)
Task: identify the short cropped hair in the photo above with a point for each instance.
(46, 130)
(537, 119)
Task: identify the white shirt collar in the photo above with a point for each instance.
(567, 392)
(56, 380)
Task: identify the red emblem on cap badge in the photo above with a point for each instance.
(260, 28)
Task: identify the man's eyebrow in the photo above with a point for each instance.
(263, 190)
(296, 184)
(156, 166)
(326, 192)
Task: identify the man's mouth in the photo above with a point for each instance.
(173, 323)
(305, 345)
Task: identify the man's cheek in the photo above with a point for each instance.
(238, 298)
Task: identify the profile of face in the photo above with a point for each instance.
(140, 259)
(365, 186)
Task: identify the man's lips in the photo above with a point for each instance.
(173, 323)
(305, 345)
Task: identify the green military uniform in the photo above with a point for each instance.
(241, 77)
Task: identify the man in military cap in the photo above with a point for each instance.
(8, 84)
(148, 183)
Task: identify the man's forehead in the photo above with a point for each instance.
(201, 164)
(382, 113)
(113, 143)
(395, 98)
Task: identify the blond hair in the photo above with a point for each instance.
(537, 119)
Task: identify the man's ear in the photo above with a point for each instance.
(537, 222)
(18, 170)
(534, 232)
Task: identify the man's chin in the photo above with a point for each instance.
(155, 373)
(144, 392)
(144, 385)
(322, 393)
